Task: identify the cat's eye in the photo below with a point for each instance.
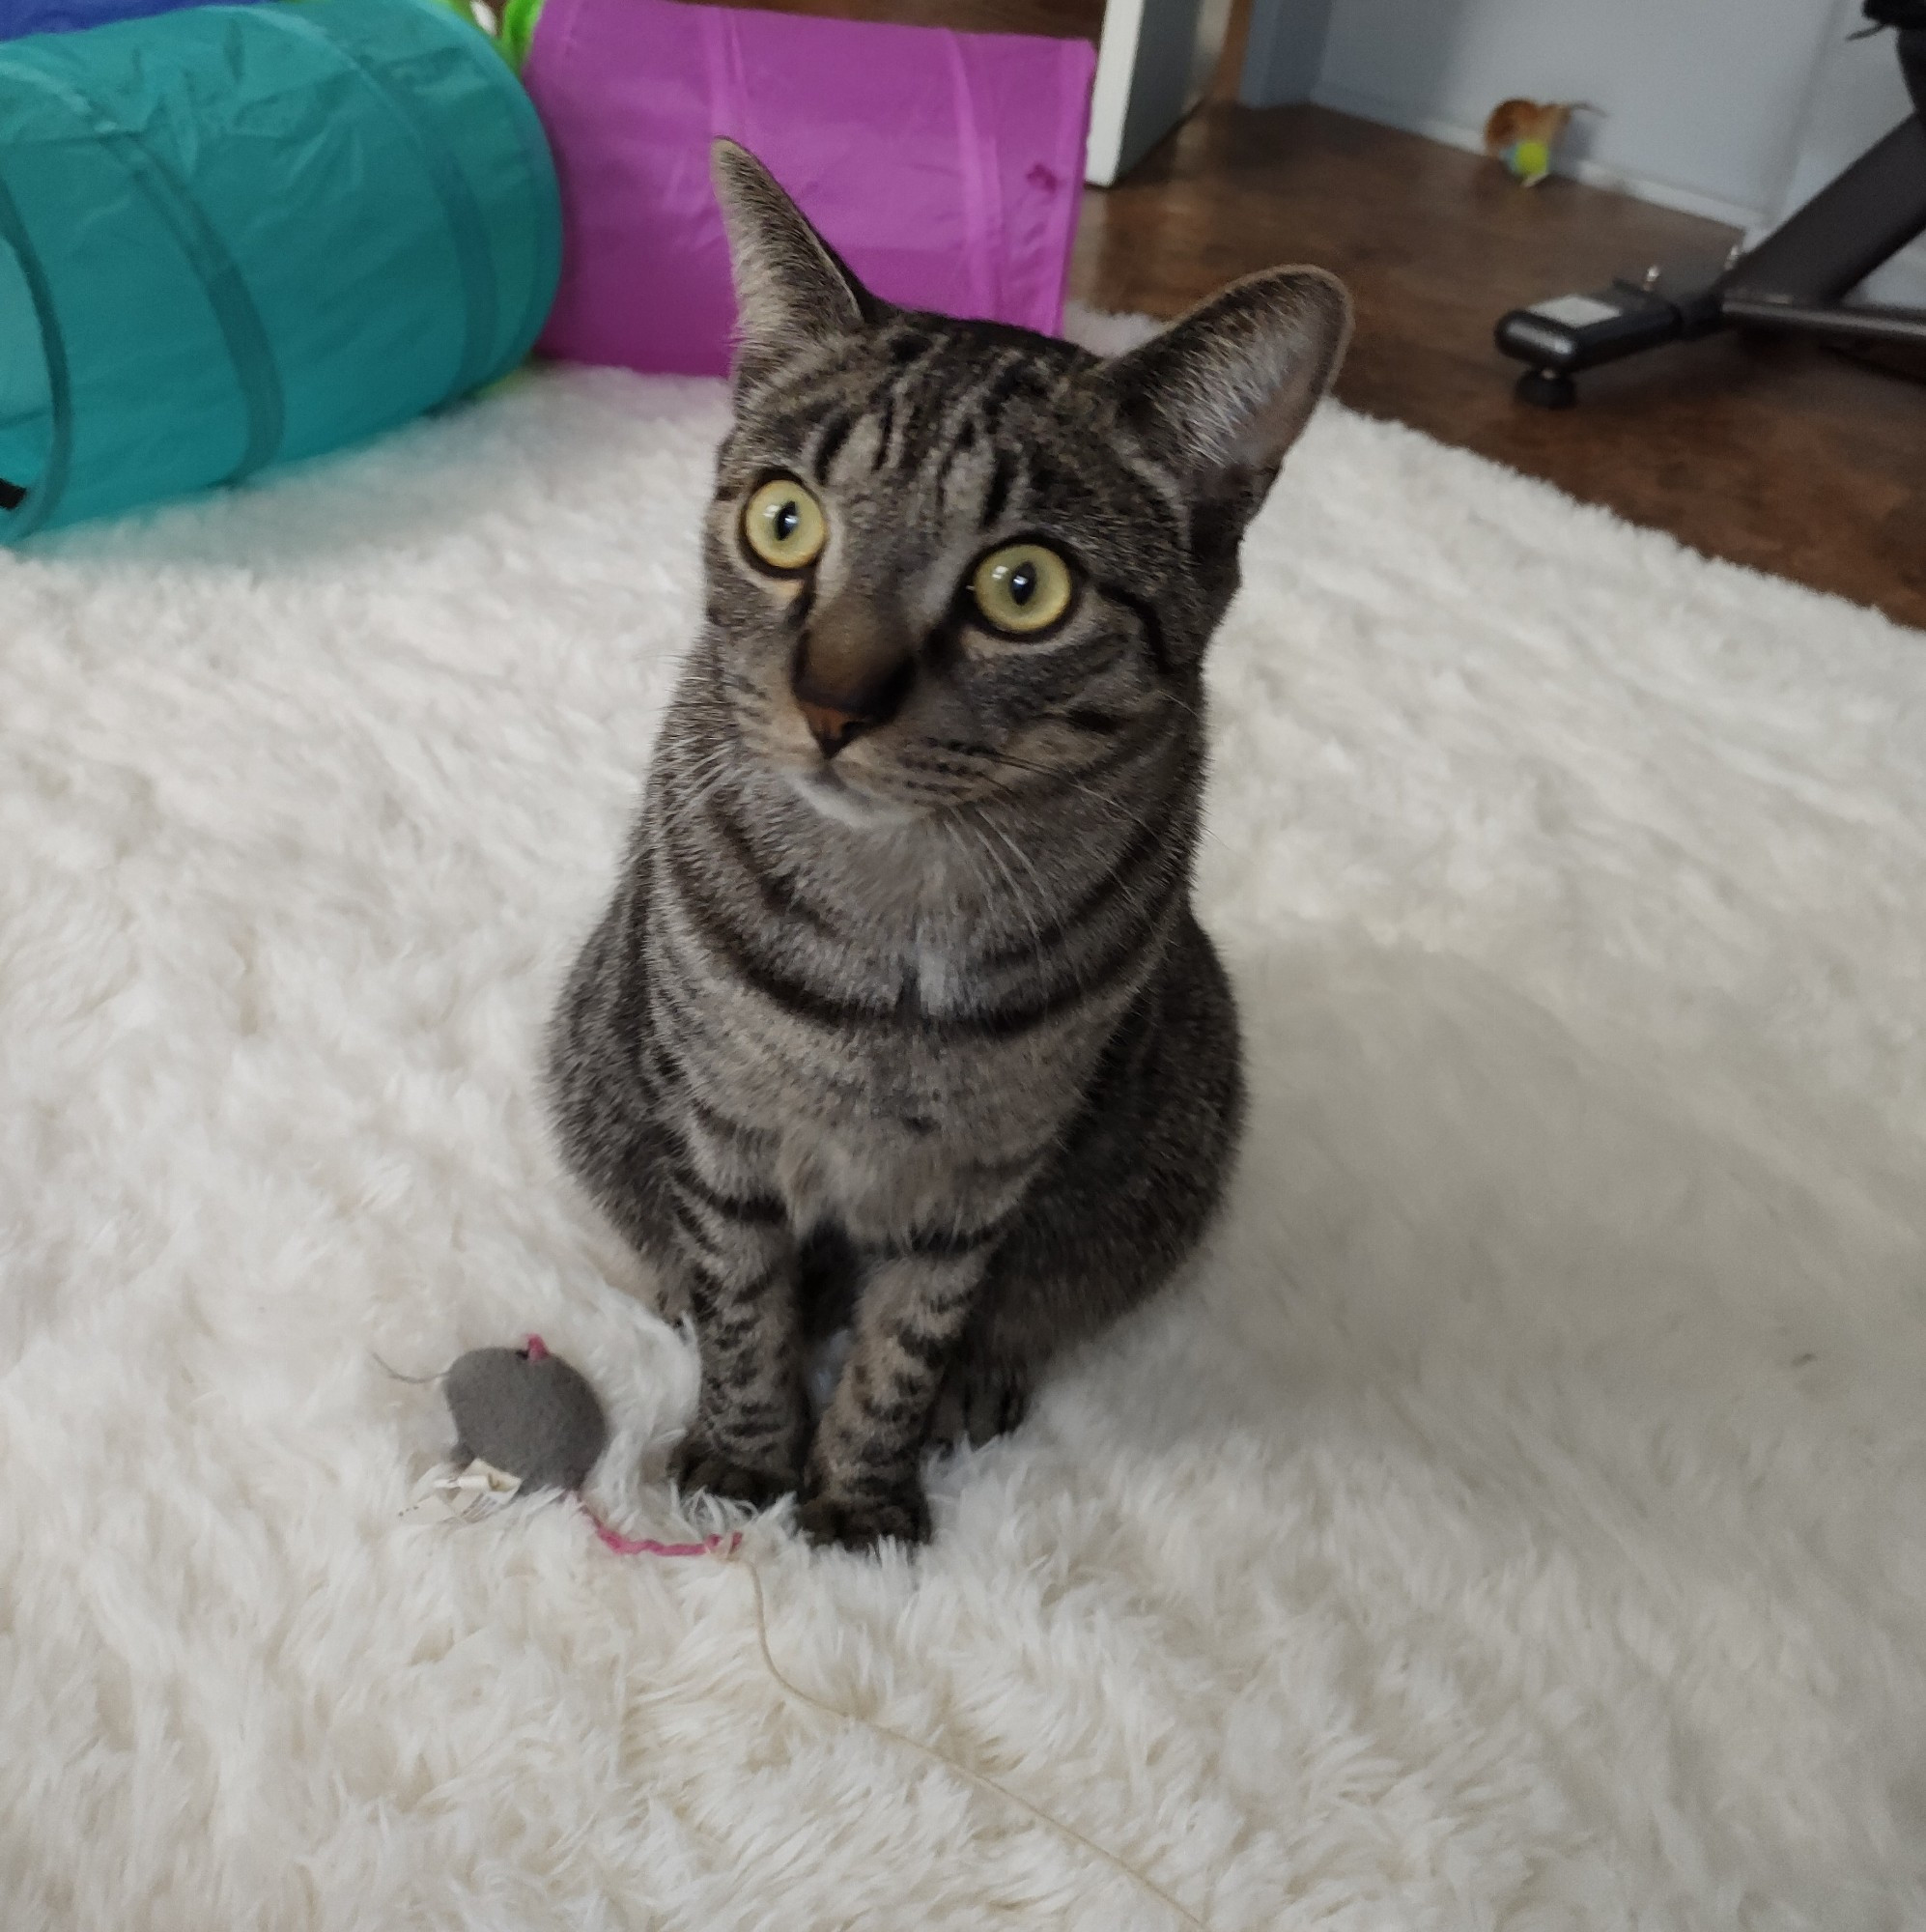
(784, 525)
(1022, 588)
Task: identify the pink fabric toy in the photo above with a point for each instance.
(945, 168)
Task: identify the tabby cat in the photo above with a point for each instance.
(901, 1019)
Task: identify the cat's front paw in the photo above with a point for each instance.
(983, 1395)
(697, 1464)
(861, 1523)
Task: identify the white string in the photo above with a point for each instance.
(942, 1757)
(400, 1377)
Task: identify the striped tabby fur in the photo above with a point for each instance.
(899, 1016)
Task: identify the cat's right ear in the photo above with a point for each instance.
(1224, 392)
(793, 291)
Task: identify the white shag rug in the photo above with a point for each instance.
(1521, 1524)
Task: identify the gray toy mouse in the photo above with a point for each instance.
(527, 1413)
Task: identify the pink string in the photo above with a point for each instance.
(647, 1546)
(537, 1350)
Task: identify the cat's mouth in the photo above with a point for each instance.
(826, 790)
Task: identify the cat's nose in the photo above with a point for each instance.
(851, 674)
(832, 729)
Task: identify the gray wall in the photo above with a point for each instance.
(1284, 52)
(1703, 100)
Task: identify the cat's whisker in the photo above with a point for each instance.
(1115, 807)
(1016, 898)
(1114, 804)
(711, 774)
(1029, 865)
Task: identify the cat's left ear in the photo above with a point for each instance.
(793, 291)
(1222, 394)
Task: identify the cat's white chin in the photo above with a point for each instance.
(831, 794)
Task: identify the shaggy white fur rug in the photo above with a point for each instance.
(1520, 1523)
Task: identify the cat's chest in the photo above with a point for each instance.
(878, 1182)
(913, 1114)
(934, 970)
(938, 974)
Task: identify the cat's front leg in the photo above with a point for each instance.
(863, 1481)
(752, 1416)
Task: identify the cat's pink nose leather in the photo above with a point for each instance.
(831, 728)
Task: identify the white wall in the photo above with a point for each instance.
(1703, 100)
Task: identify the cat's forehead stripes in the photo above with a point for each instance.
(973, 485)
(877, 455)
(829, 438)
(995, 491)
(942, 375)
(927, 427)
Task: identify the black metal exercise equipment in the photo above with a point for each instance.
(1793, 280)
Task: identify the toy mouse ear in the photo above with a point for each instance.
(793, 291)
(1223, 393)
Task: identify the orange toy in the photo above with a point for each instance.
(1524, 133)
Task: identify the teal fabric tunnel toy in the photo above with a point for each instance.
(243, 233)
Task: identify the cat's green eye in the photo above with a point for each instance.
(1022, 588)
(784, 525)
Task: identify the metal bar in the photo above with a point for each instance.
(1861, 321)
(1845, 231)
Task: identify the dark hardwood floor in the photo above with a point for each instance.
(1776, 454)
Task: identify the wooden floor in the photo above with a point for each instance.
(1777, 454)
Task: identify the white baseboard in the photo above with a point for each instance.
(1664, 194)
